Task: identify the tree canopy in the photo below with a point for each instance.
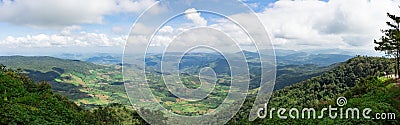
(390, 41)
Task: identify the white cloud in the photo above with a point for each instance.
(335, 24)
(164, 36)
(119, 30)
(342, 24)
(233, 31)
(133, 6)
(67, 30)
(195, 16)
(59, 13)
(219, 35)
(300, 25)
(68, 37)
(166, 29)
(141, 29)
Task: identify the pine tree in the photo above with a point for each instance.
(390, 42)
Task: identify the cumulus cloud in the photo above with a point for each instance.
(119, 30)
(164, 36)
(195, 17)
(59, 13)
(166, 29)
(68, 37)
(67, 30)
(338, 23)
(301, 25)
(225, 35)
(233, 31)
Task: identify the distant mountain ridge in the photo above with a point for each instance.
(76, 79)
(97, 58)
(306, 58)
(46, 63)
(284, 57)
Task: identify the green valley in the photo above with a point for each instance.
(100, 89)
(87, 84)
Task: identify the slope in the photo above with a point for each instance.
(85, 83)
(323, 90)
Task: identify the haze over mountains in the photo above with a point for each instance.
(292, 67)
(284, 57)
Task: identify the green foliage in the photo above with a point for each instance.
(390, 42)
(291, 74)
(79, 81)
(115, 114)
(34, 103)
(326, 86)
(372, 92)
(357, 79)
(26, 102)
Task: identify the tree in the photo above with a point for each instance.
(390, 41)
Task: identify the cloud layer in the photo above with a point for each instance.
(340, 24)
(69, 37)
(297, 25)
(195, 16)
(59, 13)
(305, 25)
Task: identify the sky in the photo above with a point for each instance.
(49, 27)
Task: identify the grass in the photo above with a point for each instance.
(102, 94)
(58, 80)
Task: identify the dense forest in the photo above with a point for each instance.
(24, 101)
(89, 85)
(361, 80)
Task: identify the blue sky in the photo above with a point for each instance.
(48, 27)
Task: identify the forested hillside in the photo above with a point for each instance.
(361, 80)
(90, 85)
(358, 79)
(332, 83)
(85, 83)
(23, 101)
